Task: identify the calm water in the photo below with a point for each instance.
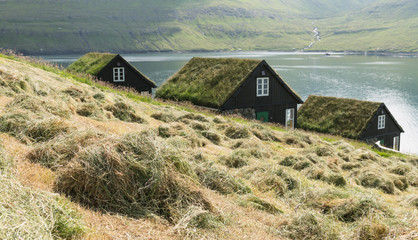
(392, 80)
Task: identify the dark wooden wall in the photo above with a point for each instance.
(387, 134)
(132, 78)
(276, 103)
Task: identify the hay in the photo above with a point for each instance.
(237, 132)
(192, 116)
(27, 129)
(29, 214)
(125, 112)
(374, 180)
(373, 231)
(58, 152)
(91, 110)
(212, 136)
(352, 210)
(253, 201)
(133, 175)
(40, 106)
(237, 159)
(307, 226)
(219, 180)
(164, 117)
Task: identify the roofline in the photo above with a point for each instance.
(382, 105)
(282, 82)
(133, 68)
(285, 85)
(393, 118)
(239, 85)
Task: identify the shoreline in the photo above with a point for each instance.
(365, 53)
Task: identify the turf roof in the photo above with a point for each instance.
(207, 81)
(340, 116)
(92, 63)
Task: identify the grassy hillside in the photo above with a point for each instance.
(139, 168)
(386, 25)
(127, 26)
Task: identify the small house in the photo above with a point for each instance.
(356, 119)
(250, 88)
(114, 69)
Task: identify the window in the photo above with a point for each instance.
(262, 87)
(381, 122)
(396, 143)
(118, 74)
(290, 117)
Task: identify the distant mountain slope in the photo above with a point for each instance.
(386, 25)
(44, 26)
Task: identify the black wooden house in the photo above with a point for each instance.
(250, 88)
(356, 119)
(114, 69)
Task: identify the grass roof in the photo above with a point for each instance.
(340, 116)
(92, 63)
(207, 81)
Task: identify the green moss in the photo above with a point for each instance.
(92, 63)
(339, 116)
(207, 81)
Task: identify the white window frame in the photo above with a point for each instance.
(381, 122)
(118, 74)
(396, 143)
(262, 86)
(290, 112)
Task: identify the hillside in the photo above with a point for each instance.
(386, 25)
(100, 163)
(51, 27)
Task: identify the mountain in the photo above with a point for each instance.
(386, 25)
(44, 26)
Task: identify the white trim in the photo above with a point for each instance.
(381, 122)
(290, 117)
(380, 147)
(262, 88)
(396, 143)
(118, 74)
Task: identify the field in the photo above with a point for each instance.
(97, 162)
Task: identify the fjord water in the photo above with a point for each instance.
(392, 80)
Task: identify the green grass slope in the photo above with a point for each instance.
(386, 25)
(194, 174)
(130, 26)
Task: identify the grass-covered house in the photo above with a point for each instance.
(356, 119)
(247, 87)
(114, 69)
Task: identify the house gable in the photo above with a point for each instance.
(245, 96)
(267, 107)
(133, 78)
(101, 65)
(391, 125)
